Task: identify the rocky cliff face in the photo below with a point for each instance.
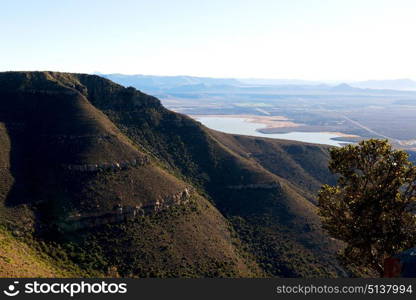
(115, 165)
(122, 214)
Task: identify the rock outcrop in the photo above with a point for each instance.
(116, 165)
(123, 213)
(272, 185)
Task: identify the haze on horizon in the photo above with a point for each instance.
(312, 40)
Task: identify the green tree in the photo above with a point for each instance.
(372, 207)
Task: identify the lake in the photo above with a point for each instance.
(241, 126)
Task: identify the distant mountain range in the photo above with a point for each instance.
(394, 84)
(391, 84)
(186, 84)
(168, 82)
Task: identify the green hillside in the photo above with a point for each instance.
(120, 186)
(26, 258)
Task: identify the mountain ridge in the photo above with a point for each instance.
(245, 212)
(158, 84)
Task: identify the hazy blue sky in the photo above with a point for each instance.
(307, 39)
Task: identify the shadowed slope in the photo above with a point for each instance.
(78, 184)
(265, 197)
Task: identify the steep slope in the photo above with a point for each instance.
(73, 180)
(303, 165)
(270, 203)
(87, 163)
(63, 152)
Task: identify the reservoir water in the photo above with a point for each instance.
(242, 126)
